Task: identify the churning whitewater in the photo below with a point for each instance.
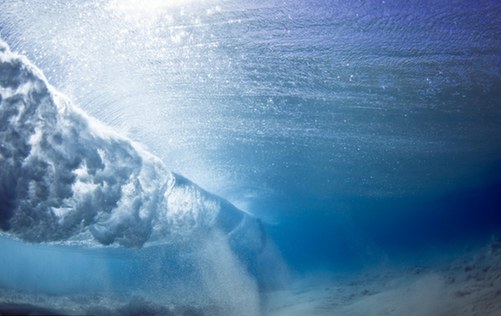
(66, 178)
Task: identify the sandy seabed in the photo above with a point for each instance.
(468, 283)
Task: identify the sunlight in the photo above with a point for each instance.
(152, 7)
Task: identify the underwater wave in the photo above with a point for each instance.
(67, 178)
(88, 207)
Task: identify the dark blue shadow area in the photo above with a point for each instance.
(416, 224)
(381, 228)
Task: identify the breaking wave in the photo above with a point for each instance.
(66, 178)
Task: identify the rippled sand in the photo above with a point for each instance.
(469, 284)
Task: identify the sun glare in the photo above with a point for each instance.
(138, 7)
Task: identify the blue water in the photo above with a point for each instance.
(391, 227)
(357, 132)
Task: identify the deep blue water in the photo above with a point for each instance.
(357, 131)
(391, 228)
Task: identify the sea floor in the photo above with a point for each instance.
(468, 284)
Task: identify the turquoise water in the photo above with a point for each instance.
(356, 131)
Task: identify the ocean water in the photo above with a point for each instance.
(193, 155)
